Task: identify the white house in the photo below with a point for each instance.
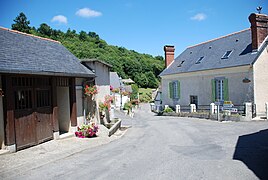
(102, 82)
(229, 68)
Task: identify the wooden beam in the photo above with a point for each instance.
(73, 108)
(55, 120)
(9, 120)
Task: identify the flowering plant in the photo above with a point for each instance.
(88, 130)
(108, 99)
(125, 93)
(104, 106)
(91, 90)
(135, 102)
(115, 90)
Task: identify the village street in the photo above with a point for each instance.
(160, 147)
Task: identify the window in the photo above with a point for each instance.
(23, 99)
(43, 98)
(226, 54)
(174, 90)
(199, 60)
(180, 63)
(220, 89)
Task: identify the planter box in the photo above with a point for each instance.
(114, 127)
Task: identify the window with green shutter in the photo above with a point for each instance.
(220, 89)
(179, 90)
(225, 90)
(174, 90)
(213, 88)
(171, 90)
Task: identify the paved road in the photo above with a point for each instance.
(170, 148)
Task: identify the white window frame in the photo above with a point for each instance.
(219, 89)
(225, 56)
(175, 90)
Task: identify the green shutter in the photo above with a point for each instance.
(213, 88)
(225, 90)
(179, 89)
(171, 90)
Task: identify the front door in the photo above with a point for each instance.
(43, 110)
(33, 119)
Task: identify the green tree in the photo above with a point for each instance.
(152, 80)
(93, 35)
(21, 23)
(141, 80)
(83, 36)
(135, 91)
(45, 29)
(159, 58)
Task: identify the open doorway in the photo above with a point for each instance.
(194, 100)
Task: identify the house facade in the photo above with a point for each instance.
(102, 82)
(37, 78)
(229, 68)
(102, 73)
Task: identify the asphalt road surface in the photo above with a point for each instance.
(161, 147)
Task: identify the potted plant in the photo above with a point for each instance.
(87, 131)
(90, 91)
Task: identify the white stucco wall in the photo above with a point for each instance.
(63, 100)
(2, 133)
(102, 79)
(103, 91)
(260, 68)
(199, 84)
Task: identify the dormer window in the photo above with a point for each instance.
(199, 60)
(226, 54)
(180, 63)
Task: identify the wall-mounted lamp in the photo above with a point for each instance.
(246, 80)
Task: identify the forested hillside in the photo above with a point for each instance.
(142, 68)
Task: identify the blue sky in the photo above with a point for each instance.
(141, 25)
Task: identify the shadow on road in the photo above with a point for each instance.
(252, 150)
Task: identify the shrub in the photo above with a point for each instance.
(168, 110)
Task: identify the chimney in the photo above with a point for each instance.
(169, 54)
(259, 29)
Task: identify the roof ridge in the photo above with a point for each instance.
(221, 37)
(18, 32)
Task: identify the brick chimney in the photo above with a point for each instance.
(259, 29)
(169, 54)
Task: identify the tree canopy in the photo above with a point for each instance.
(142, 68)
(21, 23)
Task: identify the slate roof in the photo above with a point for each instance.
(22, 53)
(213, 51)
(96, 60)
(114, 80)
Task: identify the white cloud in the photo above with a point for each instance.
(199, 17)
(60, 19)
(86, 12)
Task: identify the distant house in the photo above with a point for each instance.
(102, 80)
(116, 82)
(229, 68)
(102, 73)
(38, 78)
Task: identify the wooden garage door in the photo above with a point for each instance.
(33, 119)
